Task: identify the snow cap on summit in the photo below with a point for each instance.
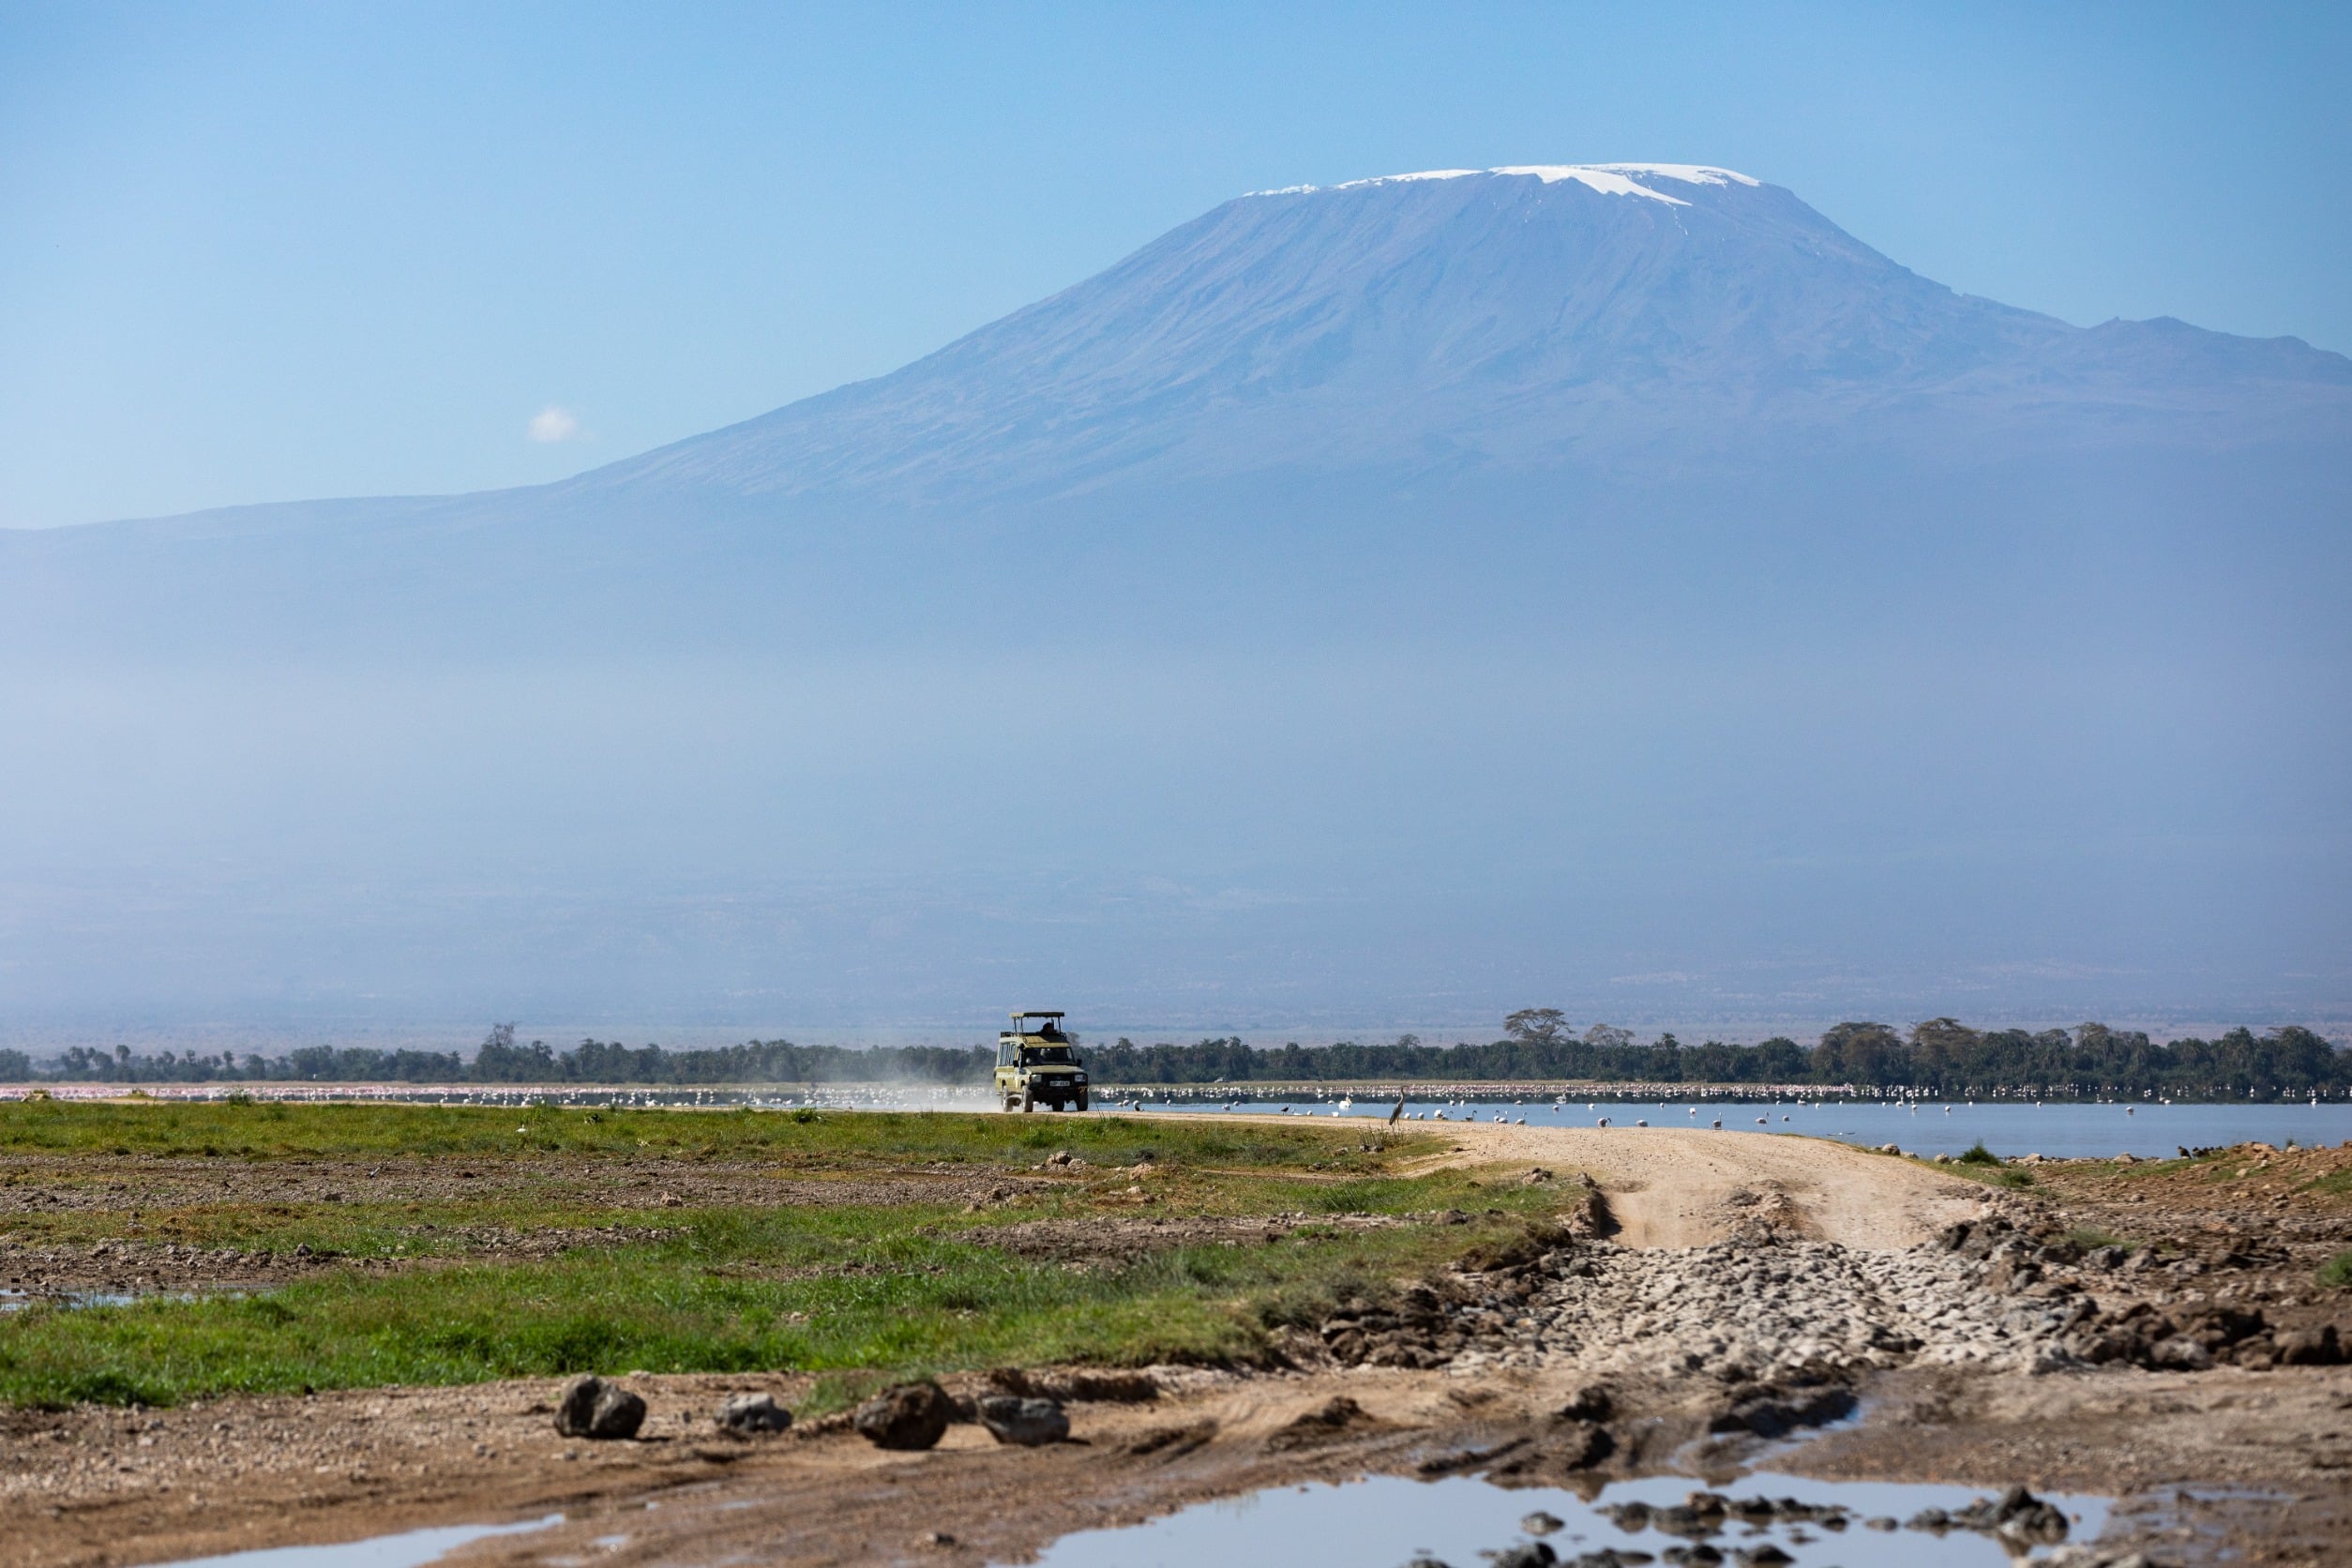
(1609, 179)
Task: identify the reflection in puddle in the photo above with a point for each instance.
(1387, 1521)
(13, 1300)
(17, 1301)
(411, 1551)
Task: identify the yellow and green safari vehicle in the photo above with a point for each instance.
(1037, 1065)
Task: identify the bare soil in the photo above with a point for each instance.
(167, 1190)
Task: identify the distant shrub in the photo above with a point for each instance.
(2336, 1273)
(2091, 1238)
(1979, 1154)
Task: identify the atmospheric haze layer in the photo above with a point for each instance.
(1609, 586)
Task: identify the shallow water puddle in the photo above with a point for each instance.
(1388, 1521)
(17, 1301)
(409, 1551)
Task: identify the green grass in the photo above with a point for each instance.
(885, 1291)
(2091, 1238)
(854, 1292)
(1995, 1175)
(458, 1229)
(2335, 1184)
(2336, 1273)
(276, 1131)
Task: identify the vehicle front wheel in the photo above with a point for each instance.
(1029, 1100)
(1081, 1099)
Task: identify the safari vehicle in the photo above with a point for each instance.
(1038, 1064)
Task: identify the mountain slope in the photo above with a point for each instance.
(1522, 318)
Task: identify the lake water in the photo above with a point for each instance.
(1386, 1522)
(2066, 1130)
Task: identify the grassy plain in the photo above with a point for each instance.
(858, 1246)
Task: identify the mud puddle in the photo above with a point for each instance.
(410, 1550)
(18, 1301)
(1772, 1521)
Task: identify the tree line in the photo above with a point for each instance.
(1940, 1055)
(501, 1059)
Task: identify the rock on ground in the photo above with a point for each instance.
(905, 1416)
(593, 1407)
(1024, 1423)
(752, 1412)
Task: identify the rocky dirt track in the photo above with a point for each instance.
(1687, 1186)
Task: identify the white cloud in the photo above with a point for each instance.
(555, 424)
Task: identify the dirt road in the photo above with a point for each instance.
(1690, 1186)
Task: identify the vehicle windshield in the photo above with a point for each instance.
(1059, 1056)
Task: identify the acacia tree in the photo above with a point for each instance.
(1536, 1026)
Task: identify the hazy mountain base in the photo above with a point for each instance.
(1718, 537)
(1346, 764)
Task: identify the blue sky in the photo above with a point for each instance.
(262, 251)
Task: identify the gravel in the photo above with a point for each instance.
(1776, 1318)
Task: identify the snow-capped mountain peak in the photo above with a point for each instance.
(1609, 179)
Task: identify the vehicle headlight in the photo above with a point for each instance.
(1077, 1077)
